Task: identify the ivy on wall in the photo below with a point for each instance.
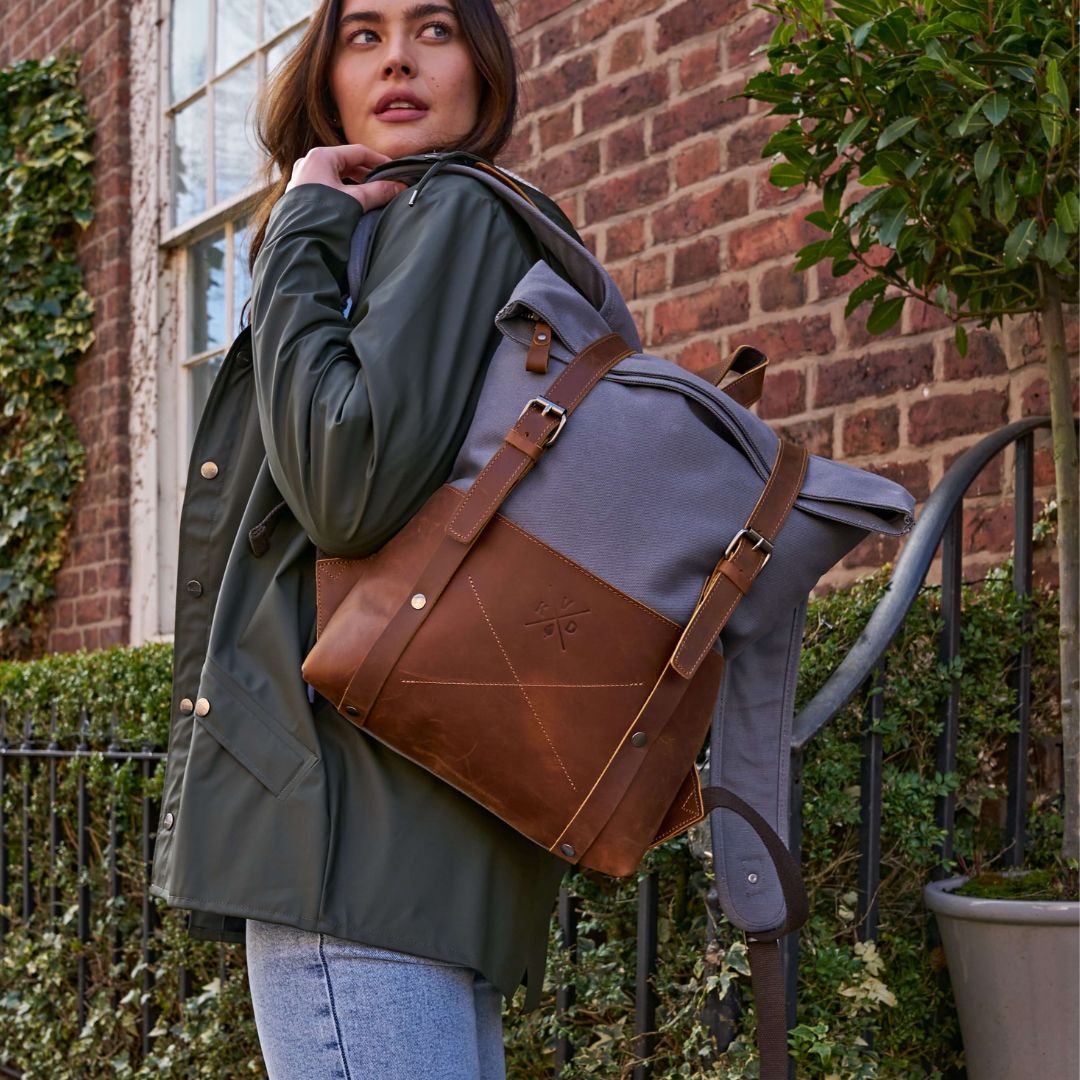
(46, 200)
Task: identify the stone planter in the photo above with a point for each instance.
(1013, 968)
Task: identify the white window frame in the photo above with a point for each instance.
(160, 424)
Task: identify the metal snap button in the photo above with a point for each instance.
(208, 469)
(567, 850)
(418, 601)
(194, 587)
(752, 878)
(352, 710)
(168, 820)
(639, 738)
(202, 707)
(187, 706)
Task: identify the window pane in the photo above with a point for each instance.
(236, 157)
(277, 14)
(206, 293)
(278, 52)
(201, 379)
(235, 32)
(241, 277)
(189, 161)
(187, 46)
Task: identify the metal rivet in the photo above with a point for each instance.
(352, 710)
(418, 601)
(202, 707)
(194, 587)
(187, 706)
(752, 878)
(541, 337)
(168, 820)
(208, 469)
(639, 738)
(567, 850)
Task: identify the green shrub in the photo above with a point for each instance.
(895, 990)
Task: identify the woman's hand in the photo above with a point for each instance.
(329, 165)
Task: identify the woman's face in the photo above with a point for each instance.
(411, 51)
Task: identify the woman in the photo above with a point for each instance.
(386, 914)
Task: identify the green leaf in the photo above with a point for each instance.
(868, 289)
(986, 161)
(1020, 242)
(1051, 128)
(996, 108)
(850, 133)
(896, 130)
(961, 339)
(884, 314)
(1028, 177)
(786, 175)
(1055, 83)
(1004, 197)
(969, 116)
(1053, 244)
(875, 176)
(820, 219)
(1067, 212)
(890, 225)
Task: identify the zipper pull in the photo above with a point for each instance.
(537, 359)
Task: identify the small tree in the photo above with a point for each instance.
(957, 118)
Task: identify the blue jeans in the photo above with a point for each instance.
(331, 1009)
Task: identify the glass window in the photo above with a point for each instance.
(219, 53)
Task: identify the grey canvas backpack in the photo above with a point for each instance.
(691, 463)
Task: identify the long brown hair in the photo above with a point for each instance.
(294, 110)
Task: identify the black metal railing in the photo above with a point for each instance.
(863, 668)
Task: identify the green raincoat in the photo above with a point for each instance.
(328, 430)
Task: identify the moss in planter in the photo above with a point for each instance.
(1032, 885)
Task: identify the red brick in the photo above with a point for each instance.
(697, 162)
(704, 112)
(91, 609)
(1036, 398)
(780, 288)
(698, 260)
(627, 238)
(627, 52)
(784, 394)
(692, 18)
(626, 146)
(531, 12)
(988, 482)
(694, 214)
(988, 529)
(628, 98)
(767, 239)
(650, 276)
(745, 39)
(829, 286)
(942, 416)
(624, 193)
(745, 142)
(720, 305)
(700, 355)
(65, 614)
(914, 475)
(814, 435)
(557, 128)
(872, 431)
(550, 87)
(785, 339)
(568, 169)
(699, 67)
(63, 642)
(557, 40)
(600, 16)
(91, 638)
(857, 334)
(876, 550)
(874, 373)
(985, 356)
(112, 635)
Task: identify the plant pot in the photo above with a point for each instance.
(1013, 968)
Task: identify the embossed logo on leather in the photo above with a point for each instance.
(557, 619)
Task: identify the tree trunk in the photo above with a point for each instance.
(1068, 549)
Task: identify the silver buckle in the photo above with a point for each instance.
(546, 409)
(760, 544)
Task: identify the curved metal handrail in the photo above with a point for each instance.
(905, 582)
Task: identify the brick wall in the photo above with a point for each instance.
(91, 606)
(627, 122)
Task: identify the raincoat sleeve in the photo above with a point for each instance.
(362, 417)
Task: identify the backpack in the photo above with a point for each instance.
(600, 486)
